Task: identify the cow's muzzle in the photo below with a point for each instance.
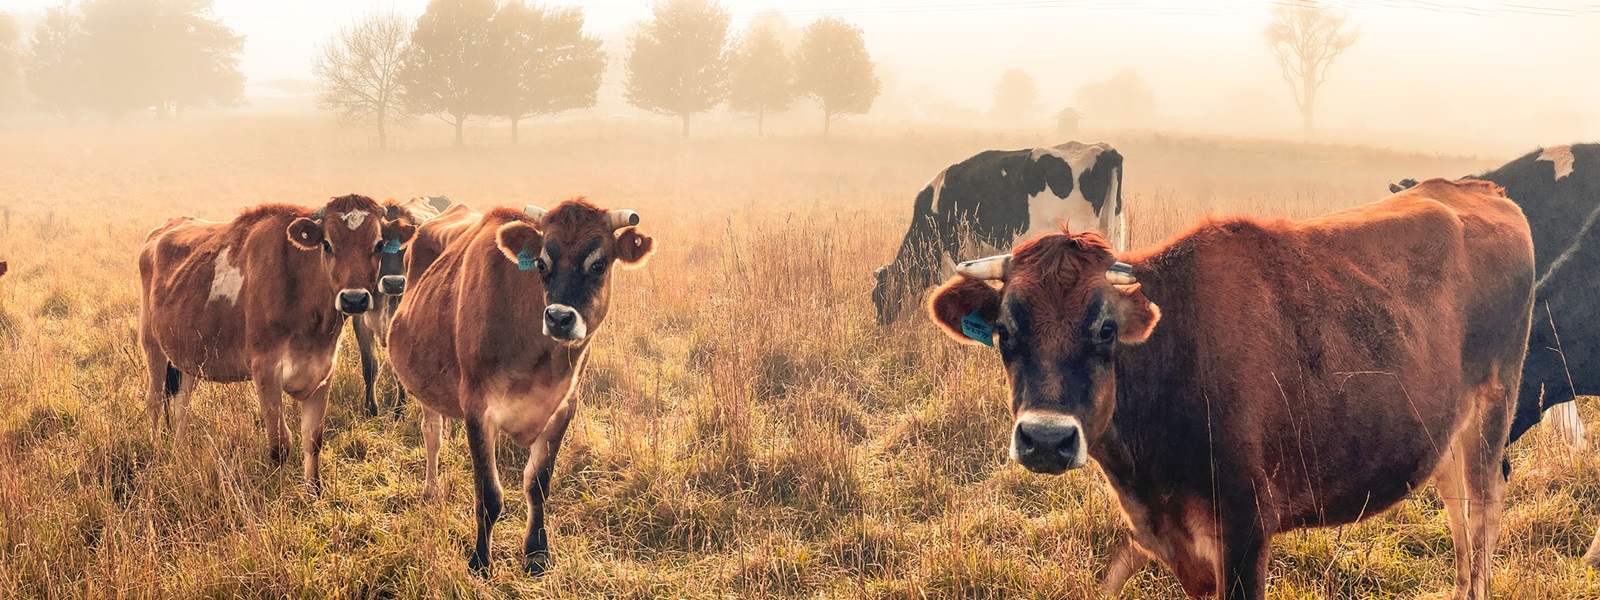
(392, 285)
(354, 302)
(563, 322)
(1048, 443)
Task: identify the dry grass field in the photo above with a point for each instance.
(745, 430)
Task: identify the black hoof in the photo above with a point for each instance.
(538, 564)
(479, 564)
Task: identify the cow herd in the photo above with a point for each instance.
(1244, 378)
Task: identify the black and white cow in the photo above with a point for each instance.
(995, 199)
(372, 327)
(1558, 189)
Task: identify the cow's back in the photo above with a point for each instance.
(434, 236)
(431, 370)
(192, 298)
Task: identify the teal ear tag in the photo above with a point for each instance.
(391, 247)
(973, 327)
(526, 261)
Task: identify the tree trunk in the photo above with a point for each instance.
(1308, 103)
(460, 120)
(514, 121)
(383, 140)
(685, 125)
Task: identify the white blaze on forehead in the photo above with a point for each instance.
(1561, 157)
(226, 279)
(354, 219)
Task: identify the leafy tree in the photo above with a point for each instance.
(1306, 38)
(448, 69)
(10, 63)
(678, 64)
(358, 74)
(1016, 98)
(833, 66)
(56, 73)
(547, 65)
(761, 78)
(120, 56)
(1123, 99)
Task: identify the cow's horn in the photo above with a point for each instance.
(994, 267)
(1121, 274)
(534, 212)
(622, 218)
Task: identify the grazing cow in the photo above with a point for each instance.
(2, 268)
(1559, 189)
(464, 343)
(1295, 374)
(996, 199)
(260, 298)
(372, 327)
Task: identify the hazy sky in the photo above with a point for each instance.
(1527, 68)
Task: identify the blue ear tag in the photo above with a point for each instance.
(391, 247)
(973, 327)
(526, 261)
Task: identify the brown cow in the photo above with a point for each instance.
(2, 268)
(372, 327)
(465, 345)
(1302, 373)
(260, 298)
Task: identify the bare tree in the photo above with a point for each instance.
(358, 74)
(1305, 38)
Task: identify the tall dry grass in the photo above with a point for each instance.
(745, 430)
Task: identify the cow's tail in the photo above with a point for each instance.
(174, 380)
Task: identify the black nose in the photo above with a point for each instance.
(560, 318)
(392, 285)
(1047, 445)
(355, 302)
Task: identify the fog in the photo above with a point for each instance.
(1461, 76)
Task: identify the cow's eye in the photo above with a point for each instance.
(376, 248)
(1003, 333)
(1107, 333)
(599, 267)
(327, 247)
(542, 265)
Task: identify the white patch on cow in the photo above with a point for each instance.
(226, 279)
(937, 185)
(1561, 157)
(1048, 419)
(1046, 210)
(1002, 171)
(354, 219)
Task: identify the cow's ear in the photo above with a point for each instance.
(633, 246)
(958, 299)
(1136, 315)
(398, 231)
(305, 234)
(518, 237)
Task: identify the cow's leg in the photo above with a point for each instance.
(1243, 571)
(313, 409)
(369, 362)
(1126, 559)
(486, 483)
(1449, 481)
(155, 399)
(186, 385)
(1568, 425)
(271, 397)
(399, 398)
(536, 480)
(432, 437)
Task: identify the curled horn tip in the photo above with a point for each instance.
(994, 267)
(1121, 274)
(622, 218)
(534, 212)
